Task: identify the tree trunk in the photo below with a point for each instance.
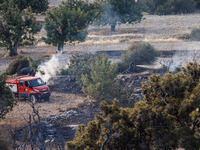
(60, 48)
(13, 50)
(113, 28)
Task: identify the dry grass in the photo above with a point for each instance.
(152, 28)
(48, 54)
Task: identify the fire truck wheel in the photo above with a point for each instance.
(33, 99)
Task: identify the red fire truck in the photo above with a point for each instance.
(29, 87)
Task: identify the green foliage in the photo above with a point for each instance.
(140, 53)
(68, 22)
(112, 12)
(197, 3)
(100, 77)
(7, 100)
(80, 65)
(176, 98)
(167, 118)
(194, 35)
(37, 6)
(165, 7)
(123, 93)
(15, 26)
(21, 62)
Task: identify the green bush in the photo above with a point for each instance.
(121, 92)
(165, 7)
(175, 7)
(82, 65)
(140, 53)
(194, 35)
(99, 78)
(79, 65)
(22, 62)
(197, 4)
(7, 100)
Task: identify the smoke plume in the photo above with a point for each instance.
(52, 67)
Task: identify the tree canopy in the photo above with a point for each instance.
(37, 6)
(167, 118)
(17, 24)
(113, 12)
(68, 22)
(7, 99)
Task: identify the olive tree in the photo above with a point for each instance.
(68, 22)
(113, 12)
(16, 25)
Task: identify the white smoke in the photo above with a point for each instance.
(179, 59)
(53, 66)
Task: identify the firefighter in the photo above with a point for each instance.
(131, 66)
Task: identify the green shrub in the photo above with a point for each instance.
(22, 62)
(175, 7)
(98, 80)
(195, 35)
(197, 3)
(79, 65)
(140, 53)
(7, 100)
(121, 92)
(82, 65)
(165, 7)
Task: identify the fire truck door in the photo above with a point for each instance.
(22, 89)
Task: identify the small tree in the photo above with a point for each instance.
(96, 83)
(68, 22)
(7, 100)
(15, 26)
(113, 12)
(80, 65)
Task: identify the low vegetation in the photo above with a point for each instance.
(194, 35)
(7, 100)
(79, 65)
(166, 7)
(139, 53)
(97, 82)
(22, 62)
(169, 112)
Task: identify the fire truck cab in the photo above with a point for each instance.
(29, 87)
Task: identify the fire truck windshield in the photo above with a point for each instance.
(36, 82)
